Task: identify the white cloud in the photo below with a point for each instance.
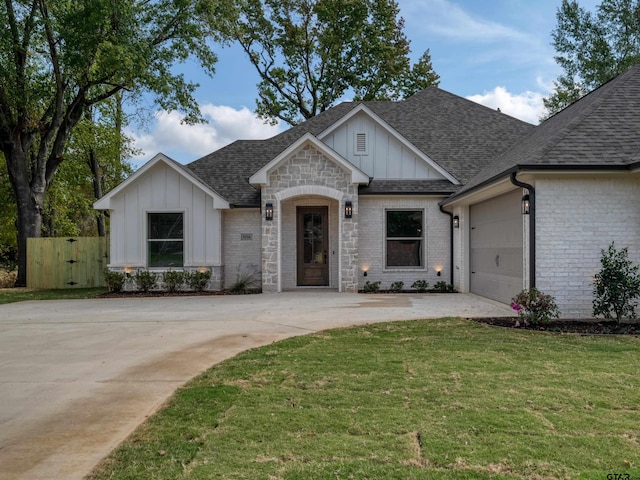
(189, 142)
(448, 19)
(526, 106)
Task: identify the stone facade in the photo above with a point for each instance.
(308, 174)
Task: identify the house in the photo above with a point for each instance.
(429, 188)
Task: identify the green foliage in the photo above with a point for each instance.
(23, 295)
(443, 286)
(420, 285)
(248, 281)
(310, 53)
(114, 280)
(145, 280)
(371, 287)
(198, 280)
(591, 48)
(60, 58)
(173, 280)
(397, 286)
(441, 399)
(617, 285)
(535, 307)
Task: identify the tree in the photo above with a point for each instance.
(593, 48)
(60, 57)
(309, 53)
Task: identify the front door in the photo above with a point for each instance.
(313, 246)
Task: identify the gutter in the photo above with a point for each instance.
(532, 226)
(450, 241)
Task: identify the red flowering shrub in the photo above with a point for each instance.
(534, 307)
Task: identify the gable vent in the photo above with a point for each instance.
(361, 144)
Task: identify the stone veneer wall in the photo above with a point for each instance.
(309, 173)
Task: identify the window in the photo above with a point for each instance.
(360, 145)
(404, 238)
(165, 240)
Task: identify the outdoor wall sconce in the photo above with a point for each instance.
(364, 270)
(456, 221)
(268, 211)
(438, 271)
(526, 204)
(348, 209)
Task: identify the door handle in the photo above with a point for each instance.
(324, 256)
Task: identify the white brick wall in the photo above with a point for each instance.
(577, 217)
(371, 241)
(241, 256)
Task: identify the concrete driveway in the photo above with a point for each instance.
(78, 376)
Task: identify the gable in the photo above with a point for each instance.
(367, 142)
(262, 176)
(162, 182)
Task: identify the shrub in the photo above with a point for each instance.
(114, 280)
(534, 307)
(8, 279)
(145, 280)
(420, 285)
(371, 287)
(173, 280)
(396, 286)
(616, 286)
(247, 281)
(443, 286)
(198, 280)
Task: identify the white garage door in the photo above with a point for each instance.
(496, 247)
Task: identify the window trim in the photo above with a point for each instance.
(147, 240)
(422, 238)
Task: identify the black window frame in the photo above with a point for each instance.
(395, 259)
(168, 242)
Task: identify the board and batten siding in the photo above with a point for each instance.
(162, 189)
(385, 158)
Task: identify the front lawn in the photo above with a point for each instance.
(430, 399)
(10, 295)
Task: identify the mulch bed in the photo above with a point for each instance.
(156, 294)
(580, 327)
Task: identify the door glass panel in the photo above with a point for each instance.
(313, 241)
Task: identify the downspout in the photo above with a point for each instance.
(532, 227)
(450, 242)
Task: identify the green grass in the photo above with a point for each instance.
(12, 295)
(431, 399)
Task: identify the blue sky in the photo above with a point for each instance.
(495, 52)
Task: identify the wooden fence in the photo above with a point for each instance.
(77, 262)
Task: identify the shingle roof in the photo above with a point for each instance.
(458, 134)
(601, 130)
(409, 187)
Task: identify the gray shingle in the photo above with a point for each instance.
(408, 187)
(601, 130)
(459, 135)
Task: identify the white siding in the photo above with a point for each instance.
(371, 241)
(386, 158)
(162, 189)
(576, 217)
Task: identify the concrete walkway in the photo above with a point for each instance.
(78, 376)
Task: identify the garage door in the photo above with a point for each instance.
(495, 242)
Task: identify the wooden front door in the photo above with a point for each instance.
(313, 246)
